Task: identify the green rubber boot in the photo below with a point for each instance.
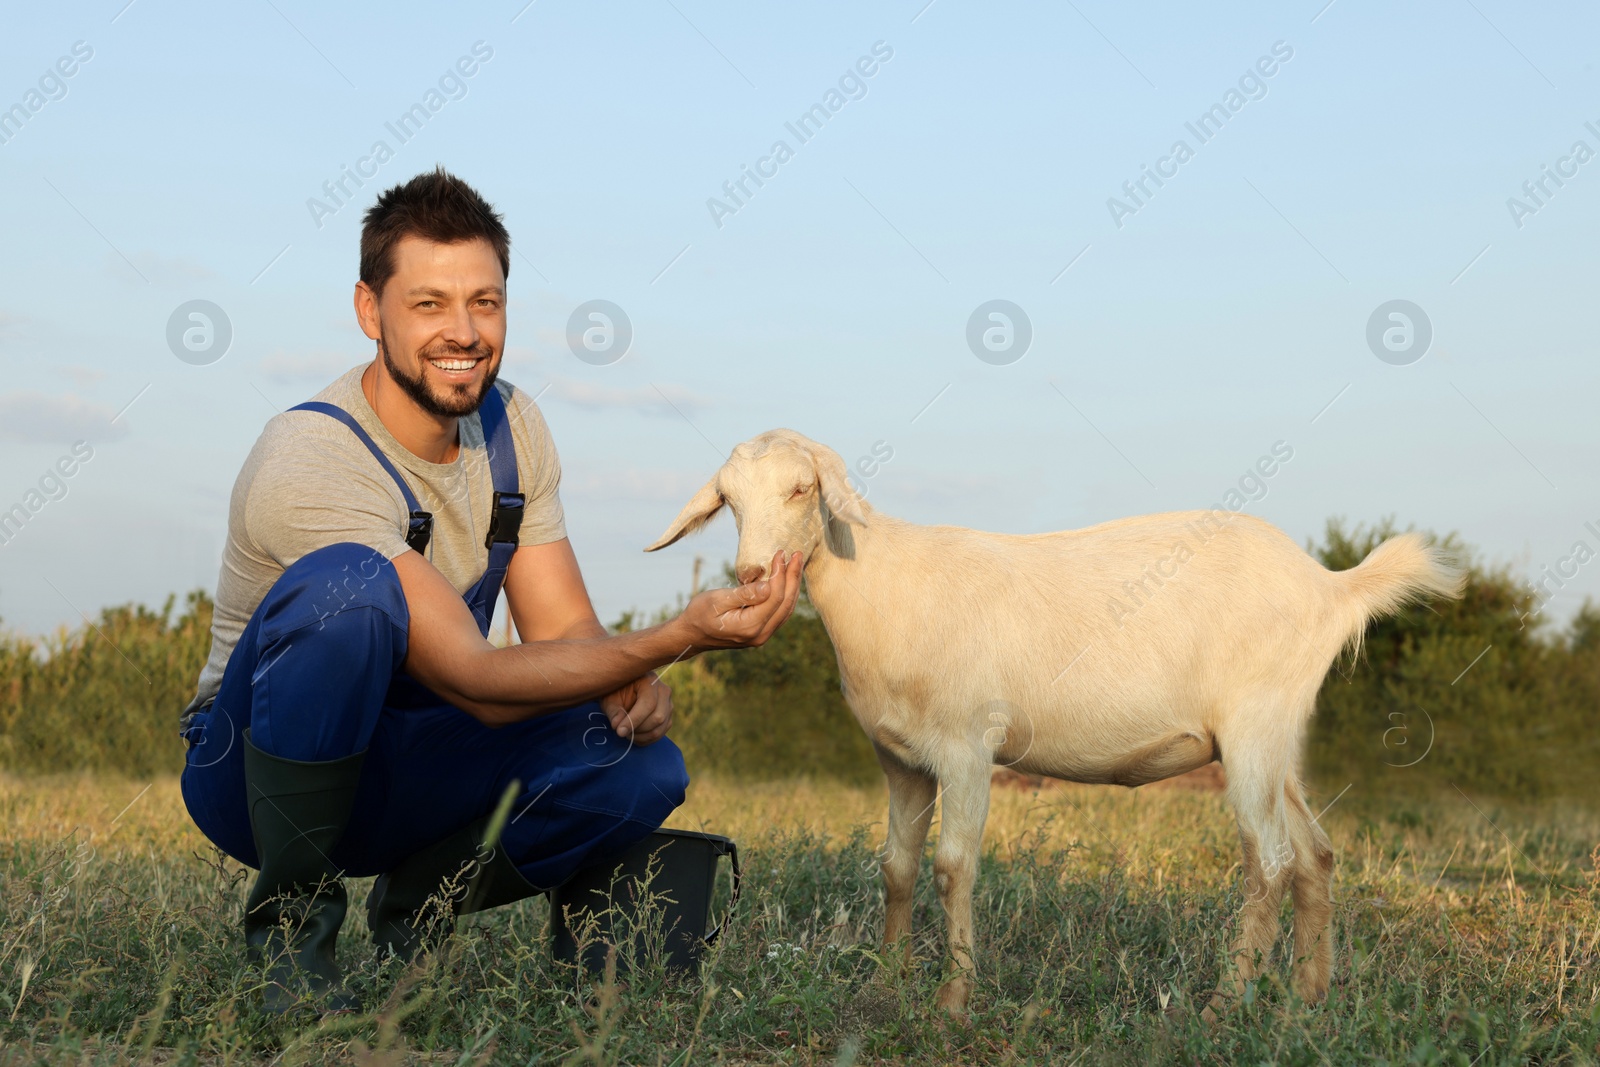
(415, 905)
(298, 813)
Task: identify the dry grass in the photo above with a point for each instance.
(1467, 933)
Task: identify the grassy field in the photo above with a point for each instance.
(1467, 934)
(1466, 928)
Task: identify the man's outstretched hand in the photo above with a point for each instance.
(641, 710)
(746, 615)
(742, 617)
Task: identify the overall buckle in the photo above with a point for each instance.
(419, 530)
(505, 519)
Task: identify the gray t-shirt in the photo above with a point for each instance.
(309, 482)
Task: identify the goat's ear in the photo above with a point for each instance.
(836, 490)
(695, 514)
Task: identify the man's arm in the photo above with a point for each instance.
(548, 599)
(497, 686)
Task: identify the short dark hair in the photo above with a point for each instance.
(437, 206)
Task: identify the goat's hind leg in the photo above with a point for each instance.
(911, 799)
(963, 809)
(1312, 888)
(1256, 791)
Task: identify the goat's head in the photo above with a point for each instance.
(787, 493)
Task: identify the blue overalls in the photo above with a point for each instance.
(318, 675)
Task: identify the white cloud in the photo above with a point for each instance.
(159, 270)
(323, 366)
(177, 268)
(937, 496)
(520, 358)
(647, 399)
(32, 418)
(81, 376)
(629, 483)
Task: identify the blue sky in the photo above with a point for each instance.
(1227, 313)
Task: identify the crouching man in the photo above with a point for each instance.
(353, 718)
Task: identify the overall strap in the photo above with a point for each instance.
(420, 525)
(505, 518)
(497, 440)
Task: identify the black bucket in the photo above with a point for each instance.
(683, 875)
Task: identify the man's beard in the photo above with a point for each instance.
(459, 400)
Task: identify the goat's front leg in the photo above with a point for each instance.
(911, 798)
(963, 809)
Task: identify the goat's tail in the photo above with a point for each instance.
(1400, 571)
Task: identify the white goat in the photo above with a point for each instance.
(1123, 653)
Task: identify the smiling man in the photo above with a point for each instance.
(353, 717)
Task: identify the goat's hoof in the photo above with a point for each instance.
(897, 952)
(953, 996)
(1311, 990)
(895, 960)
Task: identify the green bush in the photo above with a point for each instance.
(1499, 700)
(1476, 694)
(105, 697)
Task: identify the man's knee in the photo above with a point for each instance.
(644, 785)
(326, 586)
(659, 780)
(595, 811)
(319, 655)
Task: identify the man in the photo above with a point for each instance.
(353, 718)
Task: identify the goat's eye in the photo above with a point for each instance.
(799, 491)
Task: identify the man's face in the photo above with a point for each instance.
(440, 323)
